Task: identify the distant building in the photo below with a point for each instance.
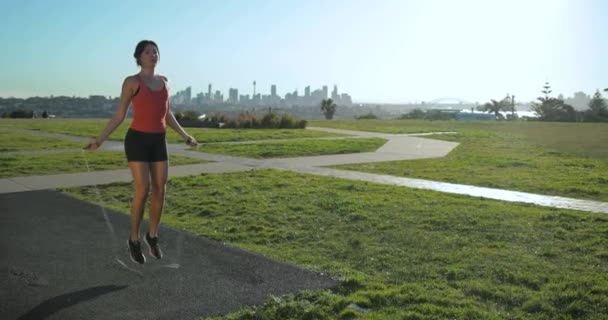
(474, 116)
(219, 97)
(233, 96)
(334, 94)
(346, 100)
(310, 99)
(97, 98)
(244, 99)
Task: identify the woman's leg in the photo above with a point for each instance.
(159, 170)
(141, 186)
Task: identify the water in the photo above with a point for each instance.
(488, 193)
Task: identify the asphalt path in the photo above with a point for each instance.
(67, 259)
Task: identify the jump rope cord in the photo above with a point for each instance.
(102, 204)
(110, 226)
(101, 201)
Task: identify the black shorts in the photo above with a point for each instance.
(145, 147)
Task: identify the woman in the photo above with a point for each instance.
(145, 144)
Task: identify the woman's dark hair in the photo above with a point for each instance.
(139, 49)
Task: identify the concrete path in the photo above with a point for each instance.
(398, 147)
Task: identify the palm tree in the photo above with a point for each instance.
(495, 107)
(328, 107)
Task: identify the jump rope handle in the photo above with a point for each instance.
(89, 145)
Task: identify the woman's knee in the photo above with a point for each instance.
(141, 190)
(159, 188)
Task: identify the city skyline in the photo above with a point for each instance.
(394, 51)
(309, 98)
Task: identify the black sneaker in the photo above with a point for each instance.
(135, 252)
(153, 246)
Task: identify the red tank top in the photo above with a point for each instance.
(150, 108)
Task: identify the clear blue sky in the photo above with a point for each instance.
(381, 51)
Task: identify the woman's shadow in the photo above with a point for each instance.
(52, 305)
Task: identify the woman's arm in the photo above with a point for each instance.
(172, 122)
(128, 87)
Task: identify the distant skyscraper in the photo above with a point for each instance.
(325, 92)
(244, 99)
(200, 98)
(218, 97)
(346, 100)
(273, 90)
(209, 93)
(233, 96)
(307, 91)
(334, 94)
(188, 96)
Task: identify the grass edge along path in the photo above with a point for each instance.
(294, 148)
(13, 141)
(72, 162)
(92, 127)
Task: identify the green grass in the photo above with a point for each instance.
(505, 161)
(294, 148)
(69, 162)
(11, 141)
(402, 253)
(563, 159)
(584, 139)
(221, 135)
(92, 127)
(74, 127)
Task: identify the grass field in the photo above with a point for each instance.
(294, 148)
(11, 141)
(564, 159)
(92, 127)
(583, 139)
(69, 162)
(402, 253)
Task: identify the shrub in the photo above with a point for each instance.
(370, 115)
(247, 120)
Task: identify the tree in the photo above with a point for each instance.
(598, 110)
(496, 107)
(328, 107)
(21, 114)
(553, 109)
(45, 114)
(414, 114)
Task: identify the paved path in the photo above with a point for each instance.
(398, 147)
(61, 259)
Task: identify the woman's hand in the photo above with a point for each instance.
(93, 144)
(191, 141)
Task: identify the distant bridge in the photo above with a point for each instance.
(449, 101)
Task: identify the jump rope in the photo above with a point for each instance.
(112, 233)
